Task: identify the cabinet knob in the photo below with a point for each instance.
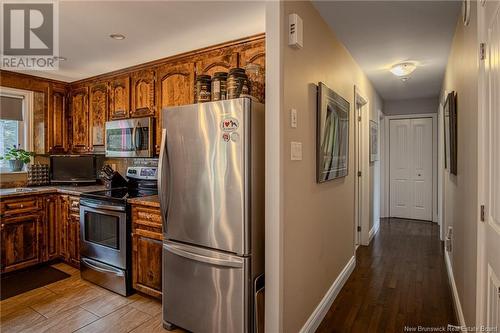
(22, 206)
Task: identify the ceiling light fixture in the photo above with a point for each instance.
(403, 69)
(117, 36)
(60, 58)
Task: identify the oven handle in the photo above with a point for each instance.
(92, 264)
(100, 206)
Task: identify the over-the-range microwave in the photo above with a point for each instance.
(130, 137)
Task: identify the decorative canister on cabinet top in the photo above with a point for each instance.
(257, 78)
(202, 89)
(219, 86)
(237, 83)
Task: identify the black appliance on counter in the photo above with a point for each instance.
(105, 230)
(74, 169)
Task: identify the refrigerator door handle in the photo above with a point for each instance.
(162, 185)
(181, 251)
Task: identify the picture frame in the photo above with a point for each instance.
(373, 141)
(450, 133)
(332, 135)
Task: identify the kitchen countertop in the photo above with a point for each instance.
(151, 201)
(37, 190)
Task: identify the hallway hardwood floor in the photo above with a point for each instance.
(399, 280)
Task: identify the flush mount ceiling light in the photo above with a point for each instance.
(60, 58)
(117, 36)
(403, 69)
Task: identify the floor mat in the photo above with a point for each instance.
(20, 282)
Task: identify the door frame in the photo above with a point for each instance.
(482, 195)
(435, 155)
(362, 184)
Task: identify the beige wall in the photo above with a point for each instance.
(460, 207)
(318, 231)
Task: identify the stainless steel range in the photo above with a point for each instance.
(105, 231)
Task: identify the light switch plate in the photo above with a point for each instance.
(293, 118)
(296, 151)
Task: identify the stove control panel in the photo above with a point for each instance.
(142, 172)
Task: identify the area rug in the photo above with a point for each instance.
(28, 279)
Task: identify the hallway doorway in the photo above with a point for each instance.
(411, 145)
(410, 168)
(400, 281)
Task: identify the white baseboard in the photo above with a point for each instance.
(319, 313)
(373, 232)
(456, 299)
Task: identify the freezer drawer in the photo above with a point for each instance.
(205, 291)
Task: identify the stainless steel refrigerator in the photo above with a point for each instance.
(211, 188)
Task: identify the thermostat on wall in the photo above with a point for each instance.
(295, 31)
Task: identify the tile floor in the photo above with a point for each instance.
(75, 305)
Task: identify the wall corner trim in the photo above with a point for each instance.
(319, 313)
(454, 291)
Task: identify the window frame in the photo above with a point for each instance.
(25, 136)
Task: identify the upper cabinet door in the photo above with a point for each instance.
(98, 115)
(220, 60)
(175, 87)
(253, 53)
(120, 98)
(80, 115)
(143, 93)
(57, 124)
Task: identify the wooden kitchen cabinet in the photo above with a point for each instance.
(147, 245)
(220, 60)
(119, 98)
(146, 265)
(97, 116)
(143, 93)
(80, 117)
(57, 121)
(20, 237)
(69, 229)
(175, 86)
(73, 232)
(50, 227)
(253, 53)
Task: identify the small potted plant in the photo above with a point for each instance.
(17, 157)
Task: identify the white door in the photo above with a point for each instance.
(491, 167)
(410, 158)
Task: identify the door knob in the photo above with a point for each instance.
(419, 175)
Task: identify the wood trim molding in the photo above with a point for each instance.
(178, 57)
(319, 313)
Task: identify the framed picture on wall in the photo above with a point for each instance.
(373, 141)
(332, 135)
(450, 132)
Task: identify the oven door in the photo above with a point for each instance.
(103, 234)
(129, 137)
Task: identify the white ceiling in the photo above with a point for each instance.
(153, 30)
(379, 34)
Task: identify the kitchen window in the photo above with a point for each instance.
(15, 106)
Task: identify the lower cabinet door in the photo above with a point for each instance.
(74, 240)
(146, 265)
(20, 242)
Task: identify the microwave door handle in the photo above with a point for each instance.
(134, 134)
